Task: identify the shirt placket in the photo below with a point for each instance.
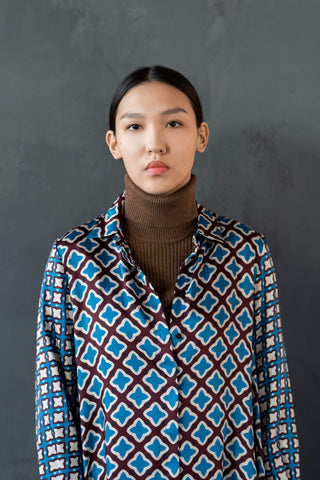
(165, 364)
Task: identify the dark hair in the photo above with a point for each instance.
(155, 73)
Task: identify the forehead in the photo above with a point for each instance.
(153, 97)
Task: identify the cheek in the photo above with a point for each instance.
(129, 146)
(184, 139)
(186, 147)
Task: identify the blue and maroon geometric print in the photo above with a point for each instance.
(122, 394)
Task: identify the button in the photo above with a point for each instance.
(179, 335)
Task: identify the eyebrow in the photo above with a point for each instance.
(165, 112)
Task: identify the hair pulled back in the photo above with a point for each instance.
(156, 73)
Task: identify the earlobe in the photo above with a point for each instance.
(113, 145)
(203, 137)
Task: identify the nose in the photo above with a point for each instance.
(156, 142)
(161, 149)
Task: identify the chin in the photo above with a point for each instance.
(156, 187)
(157, 191)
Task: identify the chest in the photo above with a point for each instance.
(119, 323)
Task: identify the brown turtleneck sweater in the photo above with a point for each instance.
(159, 231)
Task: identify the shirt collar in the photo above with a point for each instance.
(109, 224)
(208, 225)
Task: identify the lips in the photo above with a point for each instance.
(157, 167)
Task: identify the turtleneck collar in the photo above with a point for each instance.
(160, 211)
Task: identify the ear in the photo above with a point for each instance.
(113, 144)
(203, 136)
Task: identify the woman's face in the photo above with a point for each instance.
(157, 137)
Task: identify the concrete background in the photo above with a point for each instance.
(256, 66)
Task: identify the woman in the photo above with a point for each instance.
(160, 352)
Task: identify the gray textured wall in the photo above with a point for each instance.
(256, 66)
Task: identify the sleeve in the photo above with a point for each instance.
(57, 417)
(278, 428)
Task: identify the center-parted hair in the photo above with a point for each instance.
(156, 73)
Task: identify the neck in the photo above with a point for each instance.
(160, 211)
(159, 231)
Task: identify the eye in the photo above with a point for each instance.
(174, 124)
(133, 127)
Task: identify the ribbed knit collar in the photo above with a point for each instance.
(160, 210)
(165, 217)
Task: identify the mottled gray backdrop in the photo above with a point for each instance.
(256, 66)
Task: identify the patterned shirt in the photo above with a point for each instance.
(122, 394)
